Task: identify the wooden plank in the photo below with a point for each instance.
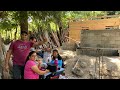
(46, 35)
(55, 40)
(40, 37)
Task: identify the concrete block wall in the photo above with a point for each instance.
(101, 39)
(69, 46)
(76, 27)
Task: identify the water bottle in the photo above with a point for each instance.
(56, 63)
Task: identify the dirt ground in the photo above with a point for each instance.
(89, 66)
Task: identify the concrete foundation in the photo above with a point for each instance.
(100, 39)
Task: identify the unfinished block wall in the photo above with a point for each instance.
(102, 24)
(101, 39)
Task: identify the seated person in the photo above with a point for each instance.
(47, 55)
(55, 66)
(33, 40)
(42, 66)
(39, 61)
(38, 51)
(57, 59)
(31, 70)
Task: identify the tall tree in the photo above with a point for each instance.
(23, 17)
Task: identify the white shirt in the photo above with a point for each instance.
(47, 57)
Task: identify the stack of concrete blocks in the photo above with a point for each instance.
(101, 39)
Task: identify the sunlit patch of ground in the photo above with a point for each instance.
(109, 70)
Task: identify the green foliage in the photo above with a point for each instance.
(44, 20)
(8, 23)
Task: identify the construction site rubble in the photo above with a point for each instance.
(88, 67)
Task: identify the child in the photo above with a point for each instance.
(47, 55)
(56, 59)
(39, 61)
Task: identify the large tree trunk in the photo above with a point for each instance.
(2, 33)
(60, 33)
(15, 33)
(1, 49)
(55, 39)
(23, 20)
(1, 57)
(6, 34)
(46, 35)
(11, 35)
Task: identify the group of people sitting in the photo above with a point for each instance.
(36, 67)
(31, 60)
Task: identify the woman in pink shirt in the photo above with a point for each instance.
(31, 70)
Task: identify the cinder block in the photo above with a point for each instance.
(94, 45)
(97, 42)
(113, 46)
(97, 34)
(104, 38)
(99, 45)
(106, 34)
(86, 45)
(112, 34)
(91, 34)
(117, 38)
(107, 46)
(117, 34)
(117, 42)
(112, 42)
